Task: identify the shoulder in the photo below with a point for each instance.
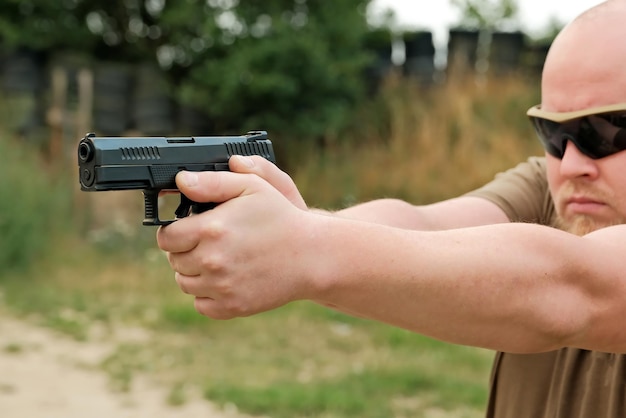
(521, 192)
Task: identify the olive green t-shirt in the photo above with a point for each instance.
(567, 383)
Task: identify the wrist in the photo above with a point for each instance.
(319, 261)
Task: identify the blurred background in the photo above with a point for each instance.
(362, 99)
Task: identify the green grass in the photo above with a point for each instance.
(344, 397)
(301, 360)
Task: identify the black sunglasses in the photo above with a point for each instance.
(597, 132)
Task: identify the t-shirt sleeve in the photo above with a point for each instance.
(521, 192)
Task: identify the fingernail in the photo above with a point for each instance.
(188, 179)
(247, 161)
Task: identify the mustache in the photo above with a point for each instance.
(571, 189)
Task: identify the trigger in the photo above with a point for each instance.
(184, 208)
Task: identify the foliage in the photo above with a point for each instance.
(43, 24)
(249, 65)
(486, 14)
(423, 145)
(285, 67)
(32, 206)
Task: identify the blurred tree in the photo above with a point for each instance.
(283, 65)
(486, 14)
(291, 66)
(43, 24)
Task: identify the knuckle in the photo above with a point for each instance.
(256, 164)
(256, 180)
(182, 283)
(235, 307)
(258, 160)
(213, 229)
(162, 239)
(213, 262)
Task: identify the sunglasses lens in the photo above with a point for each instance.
(550, 136)
(596, 136)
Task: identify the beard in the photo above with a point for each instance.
(583, 224)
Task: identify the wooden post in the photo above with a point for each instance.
(56, 112)
(85, 102)
(84, 111)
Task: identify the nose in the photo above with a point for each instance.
(576, 164)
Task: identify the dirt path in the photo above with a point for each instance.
(45, 375)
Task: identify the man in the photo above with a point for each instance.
(531, 265)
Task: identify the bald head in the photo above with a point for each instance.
(585, 65)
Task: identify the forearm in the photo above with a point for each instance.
(390, 212)
(471, 286)
(448, 214)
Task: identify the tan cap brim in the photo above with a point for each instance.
(536, 111)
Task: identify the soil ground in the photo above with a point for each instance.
(47, 375)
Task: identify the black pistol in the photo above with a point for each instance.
(151, 164)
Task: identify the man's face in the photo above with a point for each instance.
(588, 194)
(584, 70)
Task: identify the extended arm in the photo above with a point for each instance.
(513, 287)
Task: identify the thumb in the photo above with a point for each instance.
(211, 186)
(269, 172)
